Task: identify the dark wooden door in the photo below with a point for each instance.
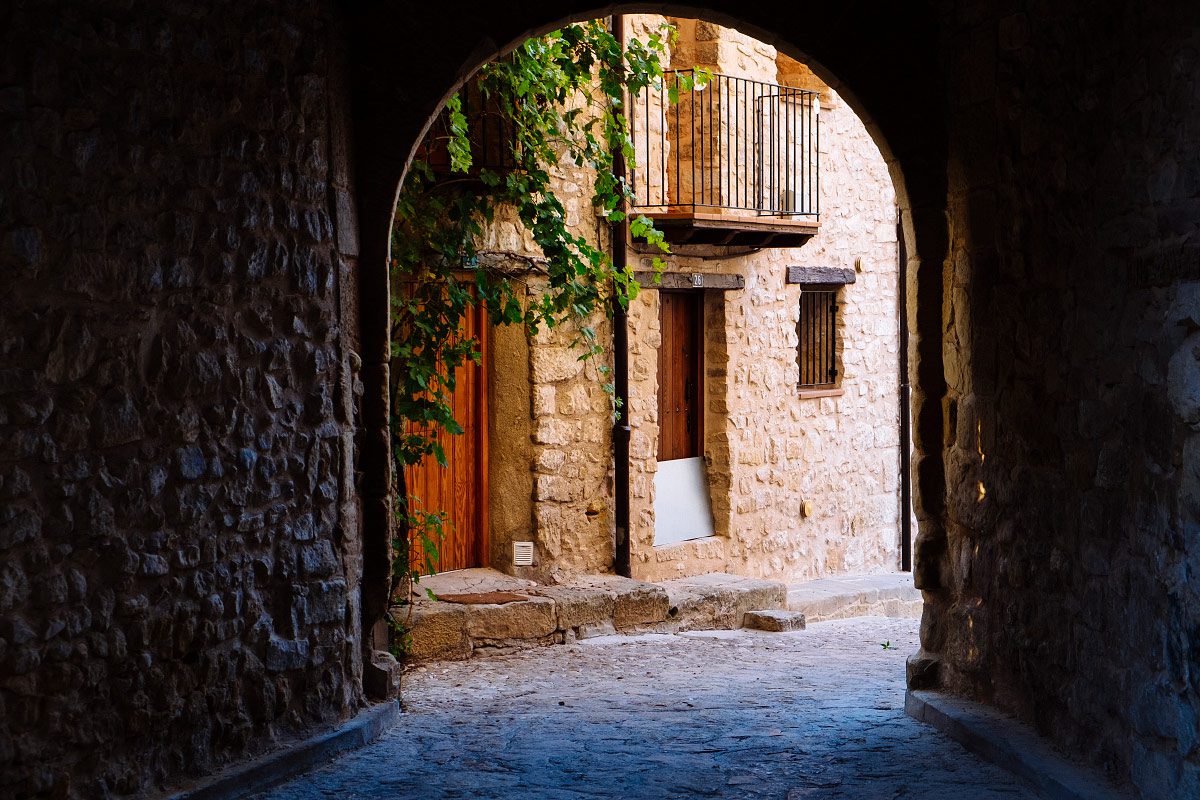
(680, 384)
(460, 488)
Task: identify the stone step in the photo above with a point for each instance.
(482, 611)
(886, 595)
(718, 601)
(457, 625)
(774, 620)
(635, 603)
(445, 630)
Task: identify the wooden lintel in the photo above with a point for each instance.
(690, 280)
(825, 276)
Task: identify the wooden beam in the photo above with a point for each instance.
(826, 276)
(694, 227)
(690, 280)
(735, 222)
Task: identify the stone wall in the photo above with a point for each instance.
(1065, 587)
(769, 446)
(178, 533)
(1064, 183)
(550, 450)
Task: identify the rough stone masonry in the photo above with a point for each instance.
(177, 521)
(183, 191)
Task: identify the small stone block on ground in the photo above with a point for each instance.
(774, 620)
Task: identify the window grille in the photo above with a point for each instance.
(489, 130)
(817, 331)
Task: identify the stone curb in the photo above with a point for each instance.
(887, 595)
(246, 779)
(1010, 745)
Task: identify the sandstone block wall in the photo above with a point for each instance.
(178, 534)
(550, 449)
(769, 448)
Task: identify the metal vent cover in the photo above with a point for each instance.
(522, 554)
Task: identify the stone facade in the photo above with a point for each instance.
(550, 450)
(770, 447)
(178, 534)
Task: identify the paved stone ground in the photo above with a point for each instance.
(736, 714)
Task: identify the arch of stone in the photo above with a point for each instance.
(194, 214)
(870, 76)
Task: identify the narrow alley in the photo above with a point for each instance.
(737, 714)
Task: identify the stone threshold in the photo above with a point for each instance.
(1012, 745)
(585, 607)
(887, 595)
(243, 780)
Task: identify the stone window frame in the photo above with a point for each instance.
(823, 279)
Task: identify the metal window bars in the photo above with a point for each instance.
(817, 330)
(489, 131)
(736, 145)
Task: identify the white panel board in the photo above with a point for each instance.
(681, 507)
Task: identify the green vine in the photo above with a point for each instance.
(563, 97)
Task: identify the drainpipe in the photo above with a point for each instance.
(905, 407)
(620, 321)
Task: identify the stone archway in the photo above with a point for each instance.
(397, 96)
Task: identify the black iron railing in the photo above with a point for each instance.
(735, 145)
(817, 330)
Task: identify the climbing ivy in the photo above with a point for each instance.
(563, 97)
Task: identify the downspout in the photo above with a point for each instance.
(620, 322)
(905, 406)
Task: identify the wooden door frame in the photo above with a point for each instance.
(483, 418)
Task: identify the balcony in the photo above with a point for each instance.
(733, 163)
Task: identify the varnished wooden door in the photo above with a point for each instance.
(680, 379)
(460, 488)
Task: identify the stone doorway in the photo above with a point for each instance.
(683, 509)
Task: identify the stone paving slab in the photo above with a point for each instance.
(887, 595)
(465, 581)
(725, 714)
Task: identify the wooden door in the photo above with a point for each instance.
(460, 488)
(680, 379)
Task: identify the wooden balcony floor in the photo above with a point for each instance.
(725, 228)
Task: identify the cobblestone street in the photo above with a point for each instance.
(739, 714)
